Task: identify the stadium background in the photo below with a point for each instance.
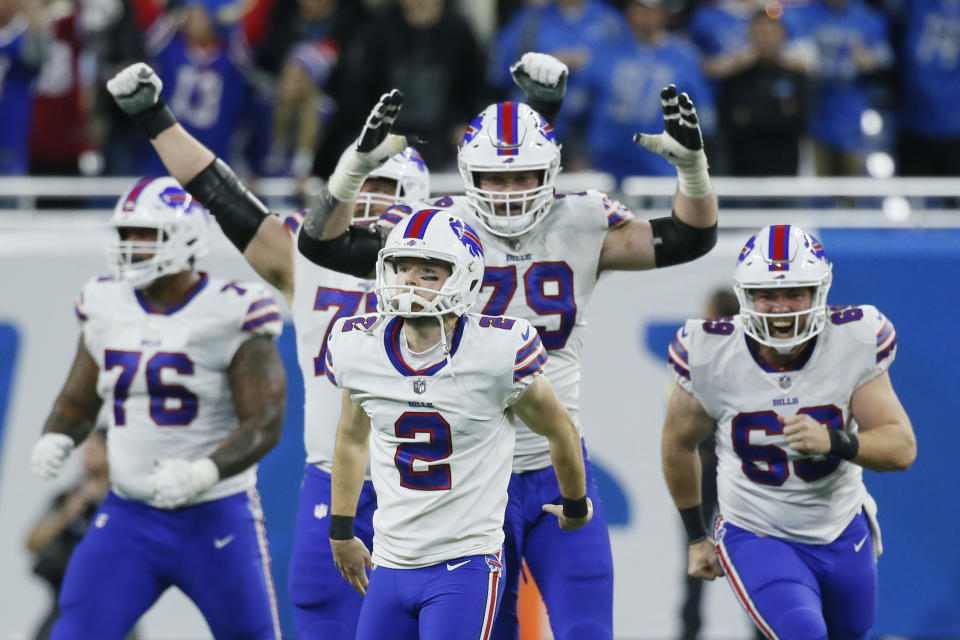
(895, 243)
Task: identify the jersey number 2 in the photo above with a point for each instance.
(435, 477)
(160, 392)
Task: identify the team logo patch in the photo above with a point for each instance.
(419, 386)
(494, 563)
(468, 237)
(785, 382)
(719, 530)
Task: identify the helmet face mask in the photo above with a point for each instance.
(509, 137)
(436, 236)
(782, 257)
(411, 178)
(173, 232)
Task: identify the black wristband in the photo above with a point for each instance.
(238, 211)
(575, 508)
(156, 119)
(341, 527)
(844, 445)
(693, 524)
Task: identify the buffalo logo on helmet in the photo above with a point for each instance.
(747, 248)
(472, 129)
(177, 198)
(468, 237)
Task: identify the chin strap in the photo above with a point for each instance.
(445, 348)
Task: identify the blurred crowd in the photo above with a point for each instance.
(280, 87)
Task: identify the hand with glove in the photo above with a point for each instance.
(136, 90)
(680, 143)
(541, 77)
(376, 145)
(50, 454)
(176, 481)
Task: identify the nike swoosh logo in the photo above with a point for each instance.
(857, 546)
(683, 332)
(220, 543)
(525, 334)
(451, 567)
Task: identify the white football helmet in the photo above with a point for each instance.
(409, 171)
(509, 136)
(430, 234)
(781, 256)
(180, 224)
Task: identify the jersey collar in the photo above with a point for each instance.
(798, 364)
(391, 339)
(188, 296)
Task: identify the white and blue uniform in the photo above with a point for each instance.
(440, 448)
(324, 604)
(791, 528)
(163, 377)
(547, 278)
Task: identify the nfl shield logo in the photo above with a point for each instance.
(419, 386)
(784, 382)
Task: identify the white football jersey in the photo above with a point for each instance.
(441, 443)
(163, 374)
(763, 485)
(547, 278)
(321, 296)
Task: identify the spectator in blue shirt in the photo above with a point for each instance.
(624, 81)
(929, 139)
(24, 39)
(851, 42)
(571, 31)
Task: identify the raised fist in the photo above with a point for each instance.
(135, 89)
(540, 76)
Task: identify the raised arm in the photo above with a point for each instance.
(72, 418)
(541, 410)
(685, 427)
(327, 238)
(245, 220)
(350, 455)
(691, 230)
(258, 387)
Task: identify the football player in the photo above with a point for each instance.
(188, 364)
(428, 390)
(323, 605)
(800, 399)
(544, 253)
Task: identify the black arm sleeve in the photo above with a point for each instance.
(354, 251)
(676, 242)
(238, 211)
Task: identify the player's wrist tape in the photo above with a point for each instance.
(156, 118)
(676, 242)
(844, 445)
(693, 178)
(693, 524)
(341, 527)
(575, 508)
(238, 211)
